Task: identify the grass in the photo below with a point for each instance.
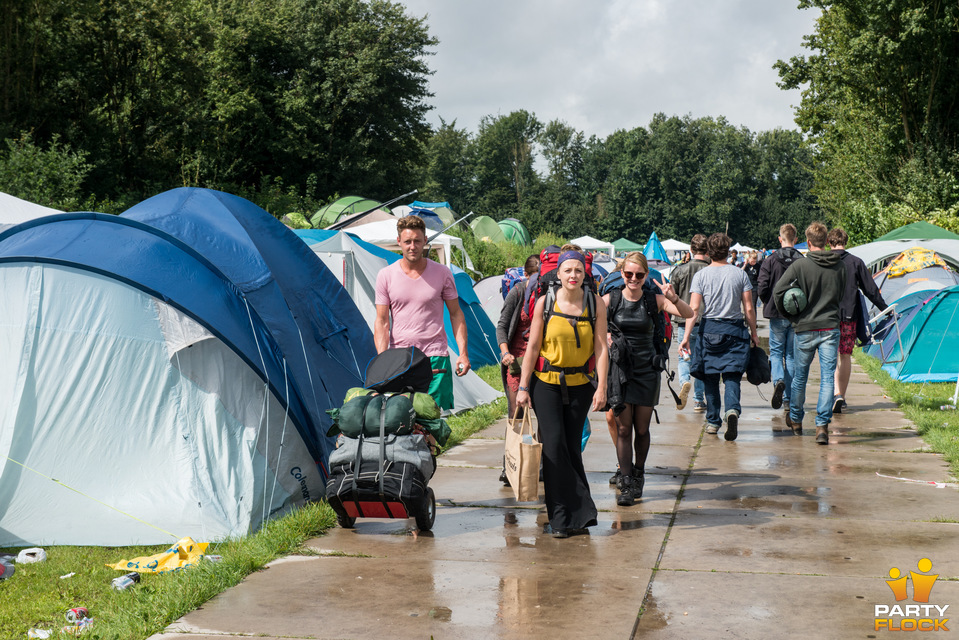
(36, 596)
(920, 403)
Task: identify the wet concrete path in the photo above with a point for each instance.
(769, 536)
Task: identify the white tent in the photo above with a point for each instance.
(740, 248)
(875, 253)
(14, 211)
(674, 245)
(383, 234)
(589, 243)
(357, 268)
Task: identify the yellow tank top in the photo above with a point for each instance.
(559, 347)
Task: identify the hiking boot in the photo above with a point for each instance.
(837, 404)
(712, 429)
(625, 497)
(699, 406)
(778, 392)
(795, 426)
(822, 434)
(504, 479)
(732, 425)
(614, 479)
(556, 533)
(639, 482)
(684, 394)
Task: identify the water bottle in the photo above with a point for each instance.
(124, 582)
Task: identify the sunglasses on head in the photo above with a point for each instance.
(629, 275)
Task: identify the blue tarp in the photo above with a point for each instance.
(654, 250)
(310, 317)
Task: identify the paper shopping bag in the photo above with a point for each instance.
(523, 455)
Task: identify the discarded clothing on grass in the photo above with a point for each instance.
(184, 553)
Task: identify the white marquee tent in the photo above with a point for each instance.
(14, 211)
(589, 243)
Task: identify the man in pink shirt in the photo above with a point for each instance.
(411, 292)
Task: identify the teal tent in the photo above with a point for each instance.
(928, 351)
(515, 232)
(654, 249)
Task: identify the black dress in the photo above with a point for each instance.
(642, 387)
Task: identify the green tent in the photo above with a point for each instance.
(515, 232)
(625, 246)
(919, 231)
(446, 215)
(485, 228)
(345, 206)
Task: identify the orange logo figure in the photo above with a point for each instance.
(921, 583)
(897, 584)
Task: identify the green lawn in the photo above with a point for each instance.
(36, 596)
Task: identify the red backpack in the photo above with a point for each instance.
(547, 280)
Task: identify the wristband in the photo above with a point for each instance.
(521, 388)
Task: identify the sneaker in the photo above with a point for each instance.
(614, 479)
(822, 434)
(732, 425)
(837, 404)
(712, 429)
(795, 426)
(638, 483)
(699, 406)
(684, 394)
(778, 394)
(625, 497)
(556, 533)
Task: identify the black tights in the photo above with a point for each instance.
(633, 420)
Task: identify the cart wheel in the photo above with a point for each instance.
(345, 521)
(425, 518)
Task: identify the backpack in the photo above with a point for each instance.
(512, 276)
(548, 278)
(661, 338)
(399, 369)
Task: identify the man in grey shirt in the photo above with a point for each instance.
(722, 292)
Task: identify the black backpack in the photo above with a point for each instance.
(399, 370)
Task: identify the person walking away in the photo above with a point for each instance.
(781, 334)
(822, 277)
(722, 292)
(563, 377)
(751, 266)
(629, 313)
(512, 334)
(681, 277)
(409, 299)
(858, 279)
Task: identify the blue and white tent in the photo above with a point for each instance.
(151, 386)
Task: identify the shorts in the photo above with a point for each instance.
(847, 337)
(441, 386)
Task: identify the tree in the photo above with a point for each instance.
(503, 162)
(447, 173)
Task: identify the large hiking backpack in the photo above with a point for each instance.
(512, 277)
(548, 277)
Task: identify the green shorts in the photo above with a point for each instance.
(441, 386)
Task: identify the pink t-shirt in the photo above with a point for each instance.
(416, 306)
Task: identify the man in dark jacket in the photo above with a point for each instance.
(822, 278)
(681, 278)
(781, 335)
(858, 279)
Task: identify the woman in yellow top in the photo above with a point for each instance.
(569, 358)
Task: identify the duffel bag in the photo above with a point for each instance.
(411, 449)
(362, 415)
(400, 481)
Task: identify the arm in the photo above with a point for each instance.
(532, 353)
(601, 353)
(672, 303)
(511, 307)
(381, 328)
(763, 289)
(750, 310)
(695, 302)
(458, 320)
(869, 287)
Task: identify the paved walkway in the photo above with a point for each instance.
(770, 536)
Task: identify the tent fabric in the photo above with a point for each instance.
(489, 291)
(926, 279)
(928, 352)
(654, 249)
(592, 244)
(921, 230)
(625, 246)
(486, 229)
(134, 372)
(14, 211)
(515, 231)
(320, 333)
(480, 330)
(875, 253)
(913, 260)
(430, 205)
(675, 245)
(345, 206)
(432, 220)
(886, 335)
(355, 263)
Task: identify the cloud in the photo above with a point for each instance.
(608, 65)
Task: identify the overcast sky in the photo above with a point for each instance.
(603, 65)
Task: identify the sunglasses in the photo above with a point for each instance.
(629, 275)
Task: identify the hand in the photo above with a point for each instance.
(523, 399)
(599, 399)
(462, 365)
(685, 343)
(754, 339)
(507, 359)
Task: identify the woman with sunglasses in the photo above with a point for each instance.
(630, 316)
(568, 355)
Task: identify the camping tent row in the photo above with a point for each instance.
(175, 363)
